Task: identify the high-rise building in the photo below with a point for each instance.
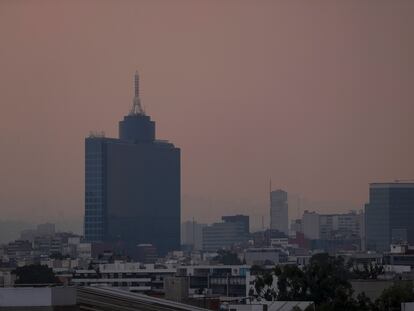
(132, 185)
(279, 211)
(225, 234)
(310, 225)
(192, 234)
(389, 215)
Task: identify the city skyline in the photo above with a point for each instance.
(295, 103)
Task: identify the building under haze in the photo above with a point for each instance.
(192, 234)
(132, 186)
(223, 235)
(279, 211)
(389, 215)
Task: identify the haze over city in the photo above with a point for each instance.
(320, 100)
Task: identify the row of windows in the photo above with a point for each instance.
(93, 164)
(93, 176)
(93, 191)
(93, 185)
(93, 212)
(94, 219)
(93, 228)
(93, 200)
(91, 194)
(91, 155)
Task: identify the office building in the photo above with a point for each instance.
(310, 225)
(296, 226)
(225, 234)
(332, 226)
(132, 186)
(223, 280)
(279, 211)
(131, 276)
(389, 215)
(239, 218)
(192, 234)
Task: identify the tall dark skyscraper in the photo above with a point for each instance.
(389, 215)
(132, 185)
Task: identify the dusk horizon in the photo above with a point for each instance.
(320, 102)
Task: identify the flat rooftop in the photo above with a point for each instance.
(392, 185)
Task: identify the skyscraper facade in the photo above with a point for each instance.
(132, 185)
(279, 211)
(389, 215)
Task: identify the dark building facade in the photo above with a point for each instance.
(232, 231)
(132, 186)
(239, 218)
(389, 215)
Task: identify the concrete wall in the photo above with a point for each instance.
(37, 297)
(176, 288)
(63, 296)
(407, 306)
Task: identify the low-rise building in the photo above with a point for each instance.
(223, 280)
(223, 235)
(133, 276)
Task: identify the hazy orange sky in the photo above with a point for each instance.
(318, 95)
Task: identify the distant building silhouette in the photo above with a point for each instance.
(231, 231)
(279, 211)
(239, 218)
(192, 234)
(132, 186)
(389, 215)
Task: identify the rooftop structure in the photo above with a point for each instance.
(132, 186)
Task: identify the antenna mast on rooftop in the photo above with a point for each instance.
(136, 103)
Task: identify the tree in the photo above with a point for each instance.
(35, 274)
(291, 283)
(264, 286)
(364, 303)
(327, 279)
(392, 297)
(369, 271)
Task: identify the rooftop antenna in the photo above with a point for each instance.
(136, 103)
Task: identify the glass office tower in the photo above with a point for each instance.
(389, 215)
(132, 186)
